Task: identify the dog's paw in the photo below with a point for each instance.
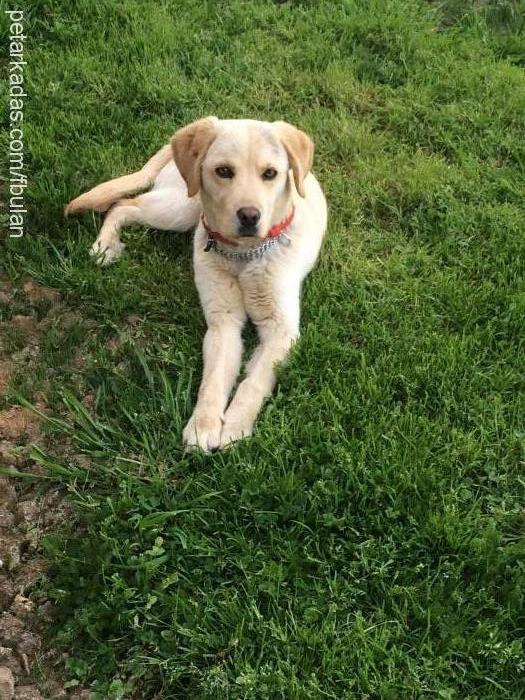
(106, 253)
(202, 433)
(233, 431)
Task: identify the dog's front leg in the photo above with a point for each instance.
(223, 306)
(108, 247)
(222, 351)
(239, 419)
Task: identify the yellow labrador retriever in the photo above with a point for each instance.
(260, 217)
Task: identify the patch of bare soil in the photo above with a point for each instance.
(28, 670)
(6, 370)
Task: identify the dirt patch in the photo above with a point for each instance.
(17, 423)
(26, 324)
(6, 370)
(36, 292)
(28, 671)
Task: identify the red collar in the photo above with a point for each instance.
(273, 232)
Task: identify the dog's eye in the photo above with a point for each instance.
(269, 174)
(224, 171)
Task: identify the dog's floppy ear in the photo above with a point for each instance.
(300, 149)
(189, 145)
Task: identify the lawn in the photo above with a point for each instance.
(367, 542)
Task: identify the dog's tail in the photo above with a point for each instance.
(103, 196)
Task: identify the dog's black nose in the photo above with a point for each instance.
(248, 216)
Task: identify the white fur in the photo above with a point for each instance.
(267, 290)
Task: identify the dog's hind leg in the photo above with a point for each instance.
(166, 209)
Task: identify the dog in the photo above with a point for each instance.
(260, 216)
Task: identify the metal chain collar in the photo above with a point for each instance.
(249, 253)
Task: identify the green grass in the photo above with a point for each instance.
(368, 541)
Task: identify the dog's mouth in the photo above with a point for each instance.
(248, 231)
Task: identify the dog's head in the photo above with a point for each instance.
(241, 169)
